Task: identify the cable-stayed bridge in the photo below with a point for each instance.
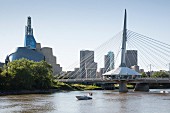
(147, 54)
(153, 55)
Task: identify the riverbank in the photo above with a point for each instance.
(76, 87)
(59, 87)
(22, 92)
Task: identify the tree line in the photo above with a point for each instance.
(24, 74)
(158, 74)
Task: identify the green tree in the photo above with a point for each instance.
(21, 74)
(5, 79)
(160, 74)
(42, 73)
(144, 74)
(26, 74)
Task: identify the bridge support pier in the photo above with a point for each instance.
(108, 86)
(142, 87)
(122, 86)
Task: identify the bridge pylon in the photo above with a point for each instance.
(122, 72)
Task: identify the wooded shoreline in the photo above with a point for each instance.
(22, 92)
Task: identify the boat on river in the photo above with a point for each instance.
(84, 97)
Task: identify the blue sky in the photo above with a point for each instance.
(69, 26)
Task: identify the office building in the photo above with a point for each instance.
(109, 61)
(141, 71)
(73, 74)
(131, 58)
(101, 72)
(88, 67)
(91, 69)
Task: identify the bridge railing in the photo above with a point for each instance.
(115, 79)
(153, 78)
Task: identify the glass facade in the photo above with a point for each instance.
(30, 42)
(109, 61)
(29, 38)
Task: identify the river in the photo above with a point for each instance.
(103, 101)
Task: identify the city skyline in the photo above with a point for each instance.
(72, 25)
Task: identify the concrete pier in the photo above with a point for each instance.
(142, 87)
(122, 86)
(108, 86)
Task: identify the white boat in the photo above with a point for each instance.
(83, 97)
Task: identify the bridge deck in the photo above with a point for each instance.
(99, 80)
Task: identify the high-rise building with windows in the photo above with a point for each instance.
(131, 58)
(88, 67)
(109, 61)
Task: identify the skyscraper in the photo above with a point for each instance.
(87, 65)
(131, 58)
(109, 61)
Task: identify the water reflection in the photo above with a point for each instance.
(102, 102)
(27, 103)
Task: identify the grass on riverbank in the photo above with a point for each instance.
(85, 87)
(63, 86)
(74, 87)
